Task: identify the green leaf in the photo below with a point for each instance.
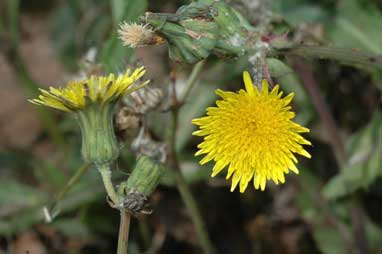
(304, 13)
(290, 82)
(364, 165)
(127, 10)
(113, 54)
(328, 239)
(21, 209)
(192, 172)
(356, 27)
(200, 98)
(22, 195)
(374, 237)
(72, 227)
(48, 173)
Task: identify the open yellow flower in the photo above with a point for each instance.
(92, 101)
(97, 89)
(252, 133)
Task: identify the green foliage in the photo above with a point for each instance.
(298, 11)
(364, 165)
(28, 184)
(356, 26)
(113, 54)
(328, 239)
(195, 106)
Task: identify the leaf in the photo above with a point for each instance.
(374, 237)
(72, 227)
(364, 165)
(24, 207)
(113, 54)
(290, 82)
(48, 173)
(22, 195)
(356, 27)
(200, 98)
(328, 239)
(127, 10)
(192, 172)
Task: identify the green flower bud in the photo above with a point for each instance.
(191, 32)
(145, 176)
(202, 28)
(233, 30)
(99, 144)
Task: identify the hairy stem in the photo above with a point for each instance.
(347, 56)
(105, 172)
(123, 236)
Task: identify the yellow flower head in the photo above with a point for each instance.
(97, 89)
(252, 132)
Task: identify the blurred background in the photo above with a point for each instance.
(334, 203)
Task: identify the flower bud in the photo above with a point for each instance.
(99, 144)
(191, 32)
(145, 176)
(199, 29)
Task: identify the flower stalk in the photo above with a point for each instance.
(104, 170)
(123, 235)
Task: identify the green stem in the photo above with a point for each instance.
(196, 216)
(72, 181)
(105, 172)
(192, 79)
(347, 56)
(123, 236)
(184, 189)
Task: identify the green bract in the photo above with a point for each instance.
(199, 29)
(99, 144)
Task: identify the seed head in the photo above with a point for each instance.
(135, 35)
